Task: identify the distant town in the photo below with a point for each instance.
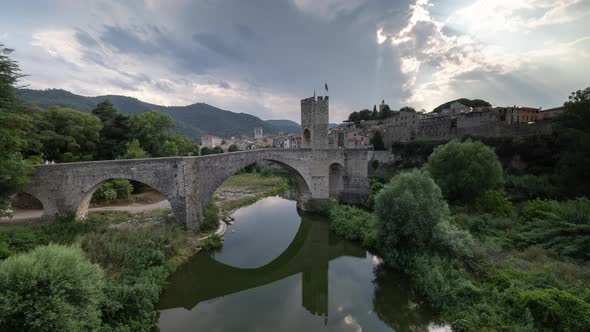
(408, 125)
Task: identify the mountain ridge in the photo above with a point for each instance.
(194, 120)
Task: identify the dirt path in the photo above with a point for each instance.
(132, 208)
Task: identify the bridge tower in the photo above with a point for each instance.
(314, 122)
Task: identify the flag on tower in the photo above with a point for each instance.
(326, 85)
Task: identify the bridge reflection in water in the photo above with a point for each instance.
(319, 282)
(310, 252)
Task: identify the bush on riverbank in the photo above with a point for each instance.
(413, 219)
(353, 224)
(137, 260)
(212, 242)
(115, 189)
(464, 170)
(210, 217)
(51, 288)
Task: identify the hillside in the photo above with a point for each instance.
(467, 102)
(193, 120)
(286, 126)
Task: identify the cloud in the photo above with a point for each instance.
(492, 16)
(328, 9)
(441, 62)
(423, 45)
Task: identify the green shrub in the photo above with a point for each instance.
(104, 194)
(493, 202)
(112, 190)
(538, 208)
(526, 187)
(4, 250)
(213, 242)
(122, 187)
(566, 230)
(210, 217)
(375, 186)
(352, 223)
(52, 288)
(556, 310)
(408, 210)
(326, 207)
(136, 260)
(436, 278)
(463, 170)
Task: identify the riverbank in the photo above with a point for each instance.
(137, 250)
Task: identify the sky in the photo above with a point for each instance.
(263, 56)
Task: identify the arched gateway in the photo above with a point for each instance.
(189, 182)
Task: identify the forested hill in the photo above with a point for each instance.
(467, 102)
(193, 120)
(286, 126)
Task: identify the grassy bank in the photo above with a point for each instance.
(136, 258)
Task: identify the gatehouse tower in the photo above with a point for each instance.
(314, 122)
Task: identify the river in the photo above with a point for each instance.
(283, 270)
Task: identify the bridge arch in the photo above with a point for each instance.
(29, 206)
(90, 188)
(294, 170)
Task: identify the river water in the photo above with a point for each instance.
(281, 270)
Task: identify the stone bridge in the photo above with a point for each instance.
(189, 182)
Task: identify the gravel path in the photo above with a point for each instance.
(133, 208)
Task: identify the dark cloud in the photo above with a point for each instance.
(217, 45)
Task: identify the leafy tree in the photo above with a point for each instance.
(186, 147)
(66, 134)
(134, 150)
(385, 112)
(412, 219)
(14, 174)
(407, 109)
(14, 131)
(362, 115)
(475, 103)
(9, 75)
(375, 113)
(493, 202)
(169, 149)
(573, 130)
(232, 148)
(464, 170)
(377, 141)
(151, 129)
(52, 288)
(114, 133)
(215, 150)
